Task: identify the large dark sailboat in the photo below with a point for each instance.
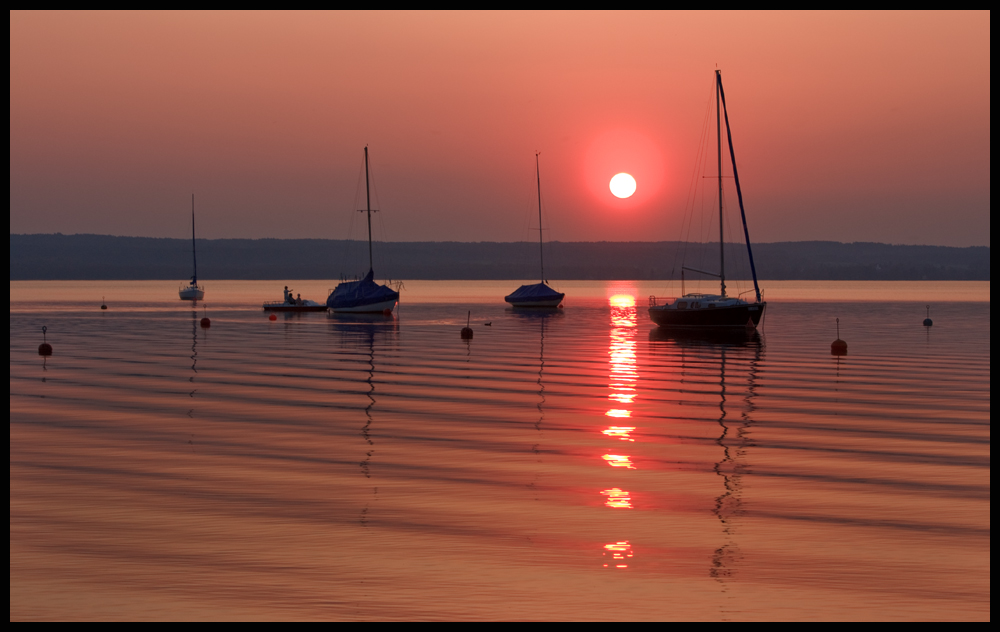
(715, 311)
(536, 294)
(364, 296)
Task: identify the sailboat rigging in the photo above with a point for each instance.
(714, 311)
(192, 291)
(364, 296)
(537, 294)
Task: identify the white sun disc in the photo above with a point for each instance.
(622, 185)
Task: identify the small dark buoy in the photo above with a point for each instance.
(927, 321)
(387, 312)
(489, 324)
(44, 349)
(838, 347)
(467, 331)
(273, 317)
(103, 304)
(206, 323)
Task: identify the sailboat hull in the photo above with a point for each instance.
(728, 317)
(536, 295)
(192, 293)
(371, 308)
(549, 302)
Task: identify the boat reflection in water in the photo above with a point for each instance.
(366, 333)
(541, 319)
(737, 354)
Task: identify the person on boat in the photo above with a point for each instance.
(298, 300)
(288, 296)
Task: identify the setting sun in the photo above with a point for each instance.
(622, 185)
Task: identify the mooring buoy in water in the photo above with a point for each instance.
(838, 347)
(273, 317)
(205, 322)
(44, 349)
(103, 304)
(927, 321)
(467, 331)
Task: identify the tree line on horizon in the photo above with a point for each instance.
(96, 257)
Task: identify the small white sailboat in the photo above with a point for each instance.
(192, 291)
(536, 294)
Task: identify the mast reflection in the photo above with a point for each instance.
(744, 349)
(362, 332)
(194, 356)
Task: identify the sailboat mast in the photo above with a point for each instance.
(194, 253)
(368, 195)
(739, 191)
(718, 135)
(541, 254)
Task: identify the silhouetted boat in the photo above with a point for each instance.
(364, 296)
(192, 291)
(537, 294)
(292, 304)
(714, 311)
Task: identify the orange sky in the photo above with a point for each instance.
(847, 126)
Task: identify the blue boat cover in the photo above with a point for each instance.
(360, 293)
(536, 292)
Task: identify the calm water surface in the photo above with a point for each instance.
(573, 465)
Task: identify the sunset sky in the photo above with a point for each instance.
(847, 126)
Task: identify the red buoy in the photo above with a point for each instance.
(44, 349)
(838, 347)
(387, 312)
(205, 323)
(273, 317)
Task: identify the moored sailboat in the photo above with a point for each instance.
(364, 296)
(192, 291)
(715, 311)
(536, 294)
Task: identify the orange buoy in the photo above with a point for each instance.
(273, 317)
(44, 349)
(838, 347)
(467, 331)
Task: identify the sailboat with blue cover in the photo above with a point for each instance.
(536, 294)
(364, 296)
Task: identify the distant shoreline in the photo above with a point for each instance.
(105, 257)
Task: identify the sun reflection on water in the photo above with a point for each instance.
(619, 553)
(619, 460)
(617, 498)
(620, 432)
